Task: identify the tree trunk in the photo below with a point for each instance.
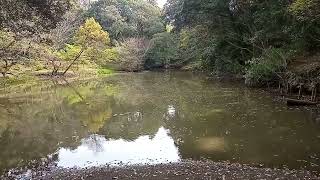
(54, 71)
(75, 59)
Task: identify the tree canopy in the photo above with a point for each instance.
(32, 16)
(123, 19)
(257, 40)
(226, 36)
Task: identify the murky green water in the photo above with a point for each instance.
(154, 117)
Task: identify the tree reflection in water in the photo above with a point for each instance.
(214, 120)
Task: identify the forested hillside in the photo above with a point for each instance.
(71, 37)
(266, 42)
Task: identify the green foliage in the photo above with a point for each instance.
(55, 40)
(38, 66)
(69, 52)
(196, 46)
(238, 36)
(131, 54)
(162, 50)
(306, 31)
(91, 46)
(5, 39)
(104, 71)
(266, 68)
(19, 81)
(111, 54)
(100, 57)
(173, 11)
(305, 10)
(91, 34)
(13, 51)
(32, 16)
(227, 36)
(126, 19)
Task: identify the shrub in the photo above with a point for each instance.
(131, 54)
(13, 51)
(266, 68)
(306, 10)
(163, 50)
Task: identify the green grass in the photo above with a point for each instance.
(104, 71)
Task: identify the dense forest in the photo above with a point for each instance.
(265, 42)
(62, 36)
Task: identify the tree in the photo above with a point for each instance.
(173, 10)
(131, 54)
(90, 36)
(32, 16)
(153, 2)
(162, 50)
(307, 31)
(12, 52)
(225, 36)
(66, 28)
(307, 10)
(126, 19)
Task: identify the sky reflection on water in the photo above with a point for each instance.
(97, 150)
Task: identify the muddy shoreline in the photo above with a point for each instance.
(183, 170)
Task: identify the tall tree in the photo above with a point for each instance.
(32, 16)
(89, 36)
(124, 19)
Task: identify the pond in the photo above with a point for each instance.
(154, 117)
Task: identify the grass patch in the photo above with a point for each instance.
(105, 71)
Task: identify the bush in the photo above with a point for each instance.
(266, 68)
(13, 51)
(195, 47)
(163, 50)
(131, 54)
(305, 10)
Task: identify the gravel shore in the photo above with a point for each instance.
(184, 170)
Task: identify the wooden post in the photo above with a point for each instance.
(300, 87)
(315, 92)
(312, 93)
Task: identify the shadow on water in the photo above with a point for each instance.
(155, 117)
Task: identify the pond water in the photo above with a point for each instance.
(154, 117)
